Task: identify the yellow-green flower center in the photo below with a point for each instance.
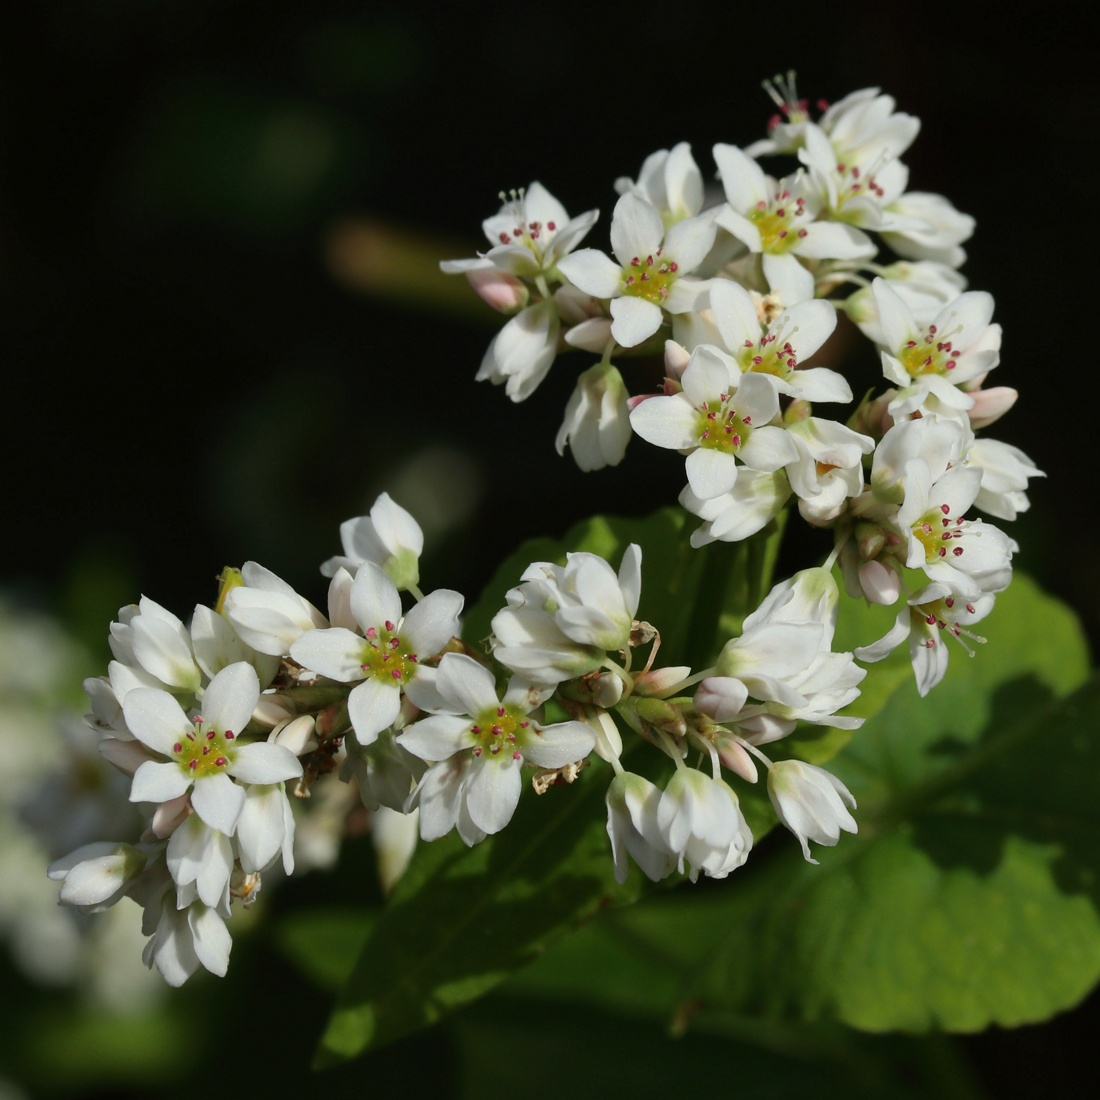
(204, 752)
(775, 221)
(650, 277)
(719, 426)
(384, 658)
(928, 355)
(768, 357)
(500, 731)
(935, 531)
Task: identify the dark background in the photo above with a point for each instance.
(212, 354)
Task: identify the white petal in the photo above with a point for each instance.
(262, 762)
(492, 793)
(372, 707)
(218, 801)
(155, 782)
(231, 697)
(155, 718)
(634, 320)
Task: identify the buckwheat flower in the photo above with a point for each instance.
(720, 418)
(923, 285)
(267, 613)
(522, 353)
(784, 655)
(203, 753)
(597, 419)
(778, 222)
(151, 638)
(384, 662)
(777, 346)
(529, 235)
(265, 829)
(933, 613)
(670, 181)
(217, 645)
(919, 225)
(853, 193)
(496, 736)
(863, 126)
(651, 277)
(97, 875)
(700, 821)
(200, 861)
(829, 467)
(754, 501)
(811, 802)
(969, 556)
(1005, 473)
(561, 621)
(389, 537)
(959, 346)
(632, 803)
(185, 939)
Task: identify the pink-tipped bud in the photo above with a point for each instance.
(990, 405)
(880, 583)
(504, 292)
(737, 759)
(659, 681)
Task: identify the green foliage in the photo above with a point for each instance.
(969, 896)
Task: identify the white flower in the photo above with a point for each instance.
(529, 236)
(521, 354)
(204, 755)
(151, 638)
(1005, 473)
(719, 416)
(777, 221)
(186, 939)
(632, 827)
(923, 285)
(267, 613)
(776, 348)
(200, 861)
(829, 467)
(700, 821)
(495, 737)
(383, 661)
(389, 537)
(597, 421)
(96, 875)
(562, 620)
(934, 610)
(784, 655)
(960, 346)
(811, 802)
(754, 501)
(650, 278)
(670, 180)
(969, 556)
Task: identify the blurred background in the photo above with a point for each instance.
(224, 332)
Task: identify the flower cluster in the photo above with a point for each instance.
(732, 302)
(735, 301)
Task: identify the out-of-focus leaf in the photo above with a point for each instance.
(970, 897)
(324, 943)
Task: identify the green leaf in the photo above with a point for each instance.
(461, 919)
(971, 895)
(324, 943)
